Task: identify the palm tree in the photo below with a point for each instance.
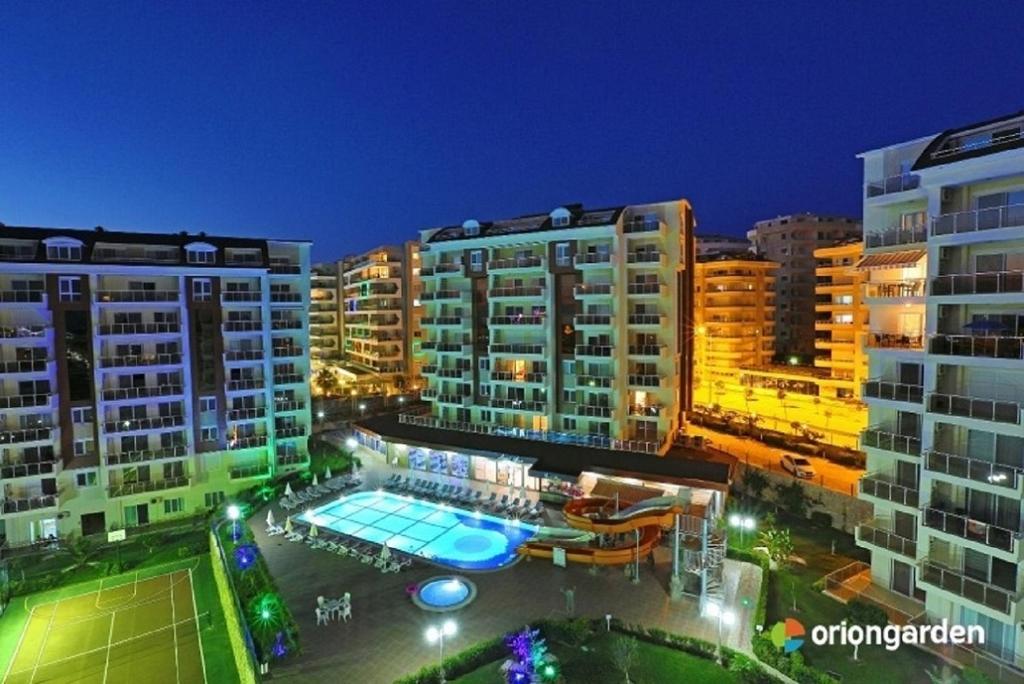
(81, 552)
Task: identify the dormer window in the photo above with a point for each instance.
(63, 249)
(200, 253)
(471, 228)
(560, 217)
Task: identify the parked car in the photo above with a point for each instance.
(798, 466)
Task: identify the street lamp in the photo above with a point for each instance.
(362, 407)
(437, 634)
(320, 415)
(725, 617)
(234, 513)
(351, 443)
(743, 523)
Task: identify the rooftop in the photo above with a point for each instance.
(974, 140)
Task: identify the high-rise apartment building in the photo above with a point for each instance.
(734, 317)
(575, 322)
(841, 325)
(325, 320)
(790, 241)
(715, 245)
(145, 376)
(944, 234)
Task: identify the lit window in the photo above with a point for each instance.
(562, 256)
(476, 260)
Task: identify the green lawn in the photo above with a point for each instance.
(653, 665)
(812, 607)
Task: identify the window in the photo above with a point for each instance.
(64, 253)
(70, 288)
(207, 404)
(568, 423)
(83, 447)
(476, 260)
(485, 416)
(200, 256)
(202, 290)
(86, 479)
(208, 434)
(174, 505)
(82, 415)
(562, 256)
(212, 499)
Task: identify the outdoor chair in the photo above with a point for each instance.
(512, 507)
(491, 502)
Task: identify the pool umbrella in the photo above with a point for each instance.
(327, 473)
(316, 482)
(270, 517)
(313, 531)
(355, 468)
(385, 553)
(288, 489)
(288, 525)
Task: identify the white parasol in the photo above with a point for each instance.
(327, 473)
(270, 517)
(313, 531)
(288, 489)
(385, 553)
(316, 481)
(288, 525)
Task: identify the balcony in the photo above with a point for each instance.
(245, 384)
(140, 329)
(442, 321)
(140, 360)
(509, 376)
(520, 319)
(452, 348)
(592, 259)
(642, 225)
(646, 410)
(13, 471)
(440, 295)
(594, 350)
(646, 289)
(592, 320)
(229, 296)
(895, 289)
(286, 459)
(137, 296)
(130, 457)
(892, 184)
(519, 405)
(959, 525)
(1007, 216)
(18, 332)
(988, 347)
(997, 282)
(593, 411)
(24, 401)
(515, 292)
(879, 533)
(646, 258)
(897, 235)
(881, 438)
(517, 348)
(978, 409)
(243, 326)
(129, 488)
(974, 469)
(131, 393)
(22, 297)
(593, 290)
(289, 379)
(286, 324)
(881, 486)
(38, 434)
(646, 319)
(648, 350)
(441, 269)
(456, 373)
(454, 399)
(955, 582)
(249, 442)
(138, 424)
(290, 432)
(288, 406)
(14, 367)
(515, 263)
(285, 297)
(644, 380)
(594, 382)
(250, 471)
(895, 341)
(255, 413)
(428, 394)
(894, 391)
(34, 503)
(285, 269)
(17, 252)
(243, 355)
(287, 352)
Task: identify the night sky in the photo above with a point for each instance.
(354, 124)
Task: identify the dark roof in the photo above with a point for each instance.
(711, 467)
(944, 149)
(579, 217)
(730, 256)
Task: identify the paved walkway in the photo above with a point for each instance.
(385, 639)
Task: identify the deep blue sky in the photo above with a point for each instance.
(358, 123)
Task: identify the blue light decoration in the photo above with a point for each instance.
(530, 662)
(279, 650)
(245, 556)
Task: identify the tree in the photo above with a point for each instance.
(81, 552)
(778, 544)
(792, 498)
(623, 654)
(755, 482)
(327, 382)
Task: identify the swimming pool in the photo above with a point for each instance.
(438, 533)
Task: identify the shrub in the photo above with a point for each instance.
(792, 498)
(755, 482)
(864, 613)
(821, 519)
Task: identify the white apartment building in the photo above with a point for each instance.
(574, 324)
(145, 376)
(325, 321)
(944, 255)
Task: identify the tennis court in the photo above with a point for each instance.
(142, 630)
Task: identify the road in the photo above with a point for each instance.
(830, 475)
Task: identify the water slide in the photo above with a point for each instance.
(597, 515)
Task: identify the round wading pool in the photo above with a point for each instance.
(441, 594)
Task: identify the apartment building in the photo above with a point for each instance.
(145, 376)
(574, 322)
(734, 319)
(382, 313)
(325, 319)
(944, 245)
(841, 323)
(713, 245)
(790, 241)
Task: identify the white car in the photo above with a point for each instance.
(798, 466)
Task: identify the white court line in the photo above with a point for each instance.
(135, 591)
(199, 632)
(42, 646)
(21, 639)
(110, 639)
(174, 617)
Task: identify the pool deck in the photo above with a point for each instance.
(384, 640)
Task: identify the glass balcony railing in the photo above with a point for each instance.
(990, 347)
(956, 582)
(892, 184)
(894, 391)
(979, 409)
(974, 469)
(1007, 216)
(882, 486)
(895, 341)
(879, 533)
(883, 438)
(897, 235)
(913, 287)
(999, 282)
(938, 517)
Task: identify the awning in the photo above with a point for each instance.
(628, 494)
(891, 259)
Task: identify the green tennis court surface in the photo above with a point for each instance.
(144, 631)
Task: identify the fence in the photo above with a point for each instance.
(238, 631)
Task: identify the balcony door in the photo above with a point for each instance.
(901, 580)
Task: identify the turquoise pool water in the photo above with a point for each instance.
(443, 593)
(442, 534)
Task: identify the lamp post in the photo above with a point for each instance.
(234, 513)
(320, 416)
(726, 617)
(744, 523)
(437, 634)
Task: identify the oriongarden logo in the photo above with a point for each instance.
(788, 635)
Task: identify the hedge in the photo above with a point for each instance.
(246, 672)
(760, 560)
(791, 665)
